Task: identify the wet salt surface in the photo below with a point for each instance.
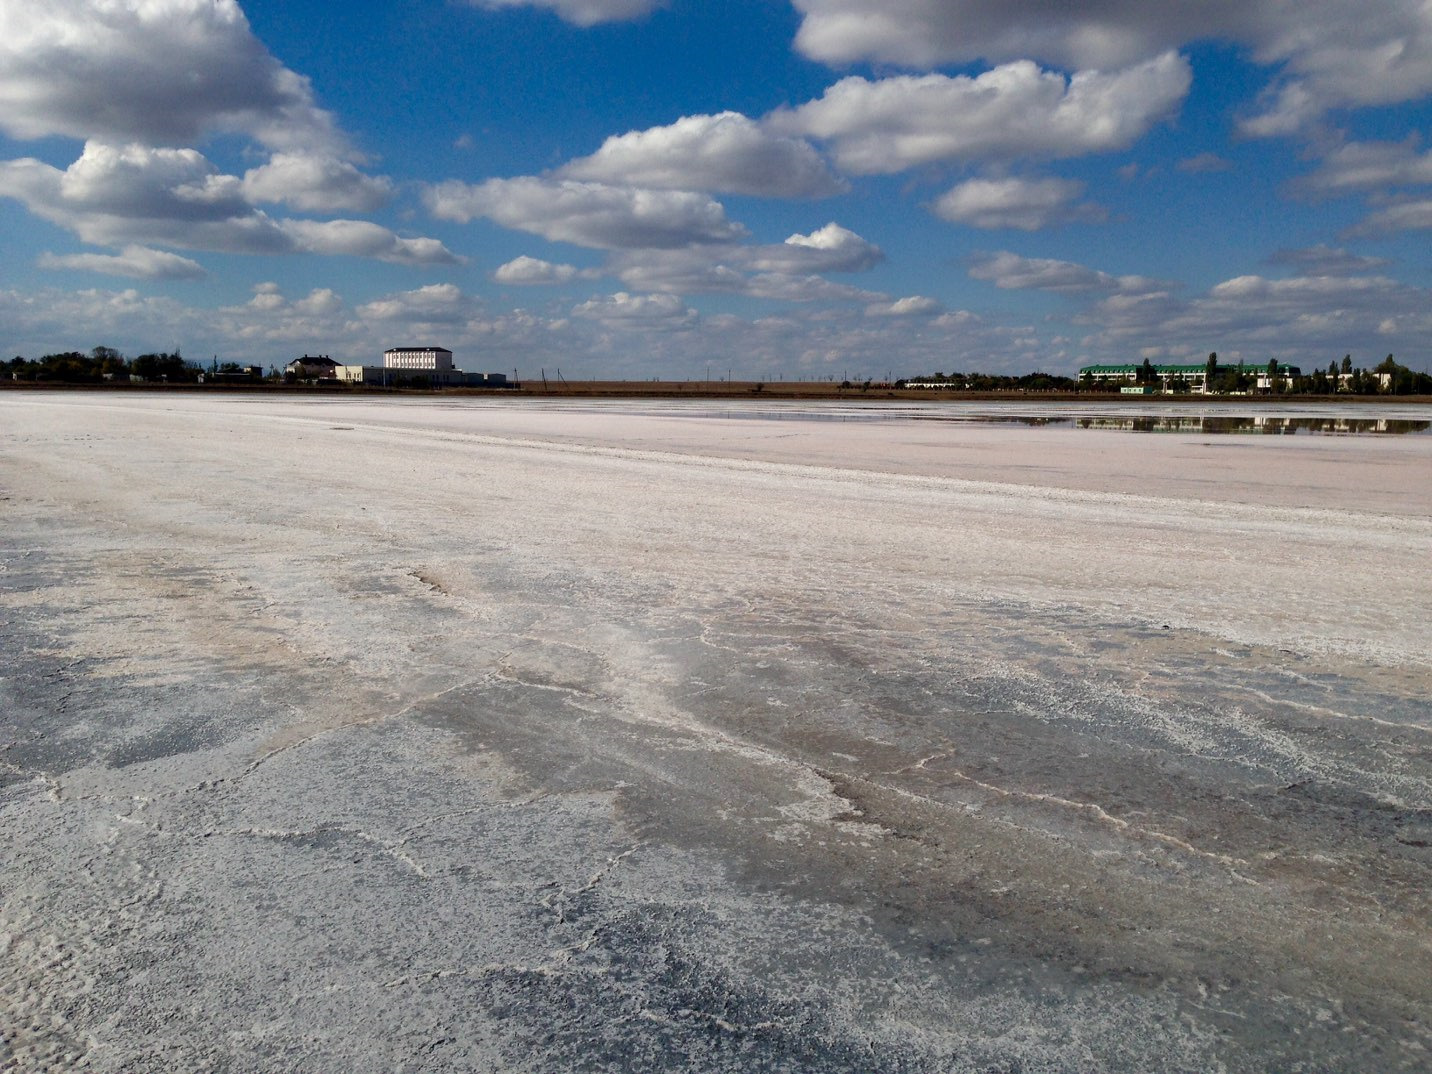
(356, 736)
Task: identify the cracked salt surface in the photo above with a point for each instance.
(465, 736)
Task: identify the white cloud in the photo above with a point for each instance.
(1012, 272)
(726, 270)
(435, 303)
(725, 153)
(913, 306)
(581, 12)
(316, 184)
(48, 320)
(1302, 319)
(663, 311)
(136, 262)
(319, 302)
(792, 287)
(1411, 214)
(1025, 204)
(789, 270)
(1370, 166)
(269, 302)
(361, 238)
(1340, 55)
(1323, 260)
(1015, 111)
(829, 249)
(587, 214)
(161, 72)
(135, 195)
(271, 329)
(929, 33)
(533, 270)
(115, 196)
(1329, 53)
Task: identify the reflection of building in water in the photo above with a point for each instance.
(426, 366)
(1184, 378)
(1209, 423)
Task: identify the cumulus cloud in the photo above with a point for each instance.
(1300, 318)
(435, 303)
(533, 270)
(929, 33)
(1356, 167)
(1015, 111)
(160, 72)
(790, 270)
(663, 311)
(829, 249)
(726, 153)
(361, 238)
(1324, 260)
(271, 328)
(268, 299)
(725, 270)
(1340, 55)
(316, 184)
(913, 306)
(117, 195)
(1403, 214)
(135, 262)
(1024, 204)
(1329, 53)
(581, 12)
(587, 214)
(136, 195)
(1012, 272)
(45, 321)
(320, 302)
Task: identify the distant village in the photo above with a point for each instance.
(430, 367)
(402, 367)
(415, 367)
(1213, 377)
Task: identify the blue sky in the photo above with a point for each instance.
(785, 188)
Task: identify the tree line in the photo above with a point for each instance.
(105, 364)
(994, 382)
(1388, 377)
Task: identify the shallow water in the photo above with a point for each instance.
(1350, 419)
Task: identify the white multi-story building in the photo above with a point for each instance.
(432, 359)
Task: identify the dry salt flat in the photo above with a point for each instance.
(472, 735)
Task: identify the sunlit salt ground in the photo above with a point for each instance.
(470, 735)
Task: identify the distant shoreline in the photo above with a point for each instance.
(789, 391)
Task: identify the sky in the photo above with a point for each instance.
(760, 189)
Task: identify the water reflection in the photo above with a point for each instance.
(1054, 416)
(1264, 424)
